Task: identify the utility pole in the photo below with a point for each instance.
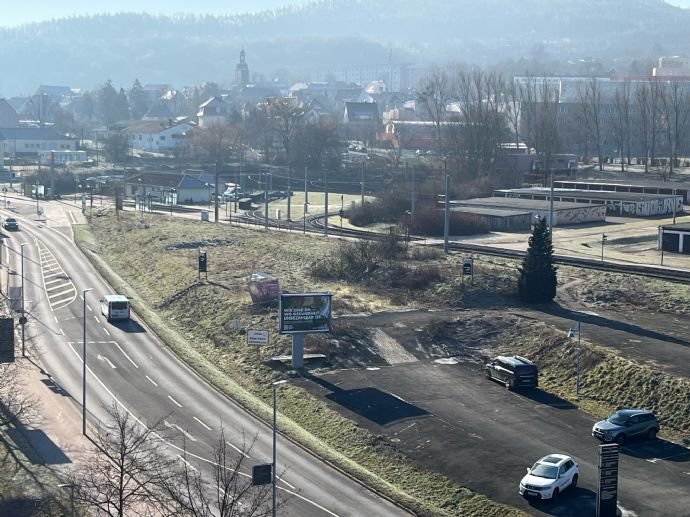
(361, 166)
(289, 204)
(551, 207)
(325, 204)
(446, 211)
(266, 202)
(52, 174)
(413, 193)
(215, 195)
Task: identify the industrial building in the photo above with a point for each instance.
(515, 208)
(499, 220)
(675, 238)
(621, 204)
(645, 187)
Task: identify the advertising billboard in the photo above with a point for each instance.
(264, 289)
(305, 313)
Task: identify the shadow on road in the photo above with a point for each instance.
(371, 403)
(656, 450)
(130, 326)
(590, 319)
(573, 502)
(542, 397)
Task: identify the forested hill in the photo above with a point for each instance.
(84, 51)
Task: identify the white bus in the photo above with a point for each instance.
(115, 307)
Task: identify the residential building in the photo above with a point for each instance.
(28, 141)
(8, 115)
(158, 136)
(213, 111)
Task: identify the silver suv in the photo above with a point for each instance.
(625, 424)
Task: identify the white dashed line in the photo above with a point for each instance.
(56, 320)
(151, 380)
(124, 353)
(96, 318)
(189, 436)
(238, 450)
(106, 331)
(90, 309)
(174, 401)
(62, 332)
(207, 427)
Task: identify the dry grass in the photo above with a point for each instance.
(155, 262)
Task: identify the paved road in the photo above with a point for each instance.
(453, 420)
(126, 363)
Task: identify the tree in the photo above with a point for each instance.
(112, 104)
(433, 95)
(127, 473)
(620, 122)
(233, 494)
(589, 99)
(14, 402)
(538, 281)
(117, 148)
(138, 100)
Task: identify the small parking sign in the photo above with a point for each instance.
(467, 267)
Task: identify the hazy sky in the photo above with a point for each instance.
(16, 12)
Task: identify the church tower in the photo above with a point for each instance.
(242, 72)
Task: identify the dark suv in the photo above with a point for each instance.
(513, 371)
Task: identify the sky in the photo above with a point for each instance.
(15, 12)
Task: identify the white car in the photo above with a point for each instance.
(549, 476)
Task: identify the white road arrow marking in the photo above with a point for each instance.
(103, 358)
(168, 424)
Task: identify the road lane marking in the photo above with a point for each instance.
(108, 333)
(188, 464)
(177, 447)
(62, 332)
(56, 320)
(124, 353)
(175, 401)
(55, 295)
(288, 484)
(151, 380)
(103, 358)
(96, 318)
(90, 309)
(238, 450)
(168, 424)
(207, 427)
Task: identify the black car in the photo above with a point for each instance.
(10, 223)
(513, 371)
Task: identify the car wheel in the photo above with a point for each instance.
(508, 384)
(487, 373)
(620, 439)
(651, 434)
(573, 483)
(554, 496)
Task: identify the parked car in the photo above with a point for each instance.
(625, 424)
(513, 371)
(10, 223)
(549, 476)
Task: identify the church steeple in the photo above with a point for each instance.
(242, 71)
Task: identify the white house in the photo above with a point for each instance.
(158, 136)
(29, 141)
(213, 111)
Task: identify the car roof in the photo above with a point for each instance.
(554, 459)
(516, 360)
(632, 411)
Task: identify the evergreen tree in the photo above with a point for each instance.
(107, 103)
(538, 273)
(138, 101)
(122, 105)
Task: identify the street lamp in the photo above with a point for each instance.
(83, 353)
(603, 241)
(408, 216)
(22, 319)
(273, 465)
(571, 334)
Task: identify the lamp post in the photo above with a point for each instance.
(83, 353)
(603, 241)
(273, 465)
(22, 320)
(408, 216)
(571, 334)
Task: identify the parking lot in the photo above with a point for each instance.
(454, 421)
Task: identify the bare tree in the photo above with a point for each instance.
(229, 492)
(286, 116)
(127, 473)
(14, 402)
(621, 122)
(589, 100)
(312, 143)
(433, 96)
(675, 105)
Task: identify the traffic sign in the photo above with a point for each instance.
(23, 320)
(202, 262)
(467, 267)
(262, 474)
(257, 337)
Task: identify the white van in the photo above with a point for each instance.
(115, 307)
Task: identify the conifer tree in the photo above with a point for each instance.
(538, 273)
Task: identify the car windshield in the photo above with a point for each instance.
(524, 370)
(618, 419)
(544, 471)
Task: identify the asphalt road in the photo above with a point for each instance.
(129, 365)
(454, 421)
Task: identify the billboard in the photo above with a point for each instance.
(264, 289)
(305, 313)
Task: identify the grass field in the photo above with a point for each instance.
(154, 262)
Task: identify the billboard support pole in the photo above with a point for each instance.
(298, 351)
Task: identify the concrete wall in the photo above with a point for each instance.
(652, 207)
(586, 214)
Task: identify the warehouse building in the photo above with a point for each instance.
(675, 238)
(643, 187)
(564, 213)
(621, 204)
